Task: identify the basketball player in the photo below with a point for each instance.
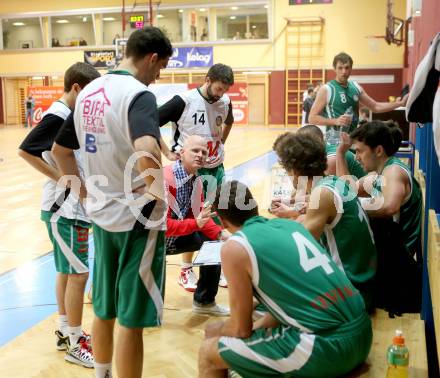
(115, 126)
(339, 99)
(65, 218)
(316, 325)
(283, 210)
(207, 112)
(376, 143)
(334, 214)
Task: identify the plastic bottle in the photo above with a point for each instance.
(350, 113)
(398, 357)
(333, 134)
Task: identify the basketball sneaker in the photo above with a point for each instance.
(188, 279)
(213, 309)
(62, 341)
(80, 353)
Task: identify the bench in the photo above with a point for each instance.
(434, 271)
(384, 328)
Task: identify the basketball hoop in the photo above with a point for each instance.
(394, 31)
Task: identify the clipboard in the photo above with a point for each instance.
(209, 253)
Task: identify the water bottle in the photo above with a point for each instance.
(398, 357)
(350, 113)
(333, 134)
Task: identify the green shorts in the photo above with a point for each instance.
(70, 240)
(215, 177)
(129, 276)
(285, 351)
(210, 184)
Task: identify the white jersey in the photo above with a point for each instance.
(54, 197)
(102, 129)
(204, 119)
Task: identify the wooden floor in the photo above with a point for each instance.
(170, 351)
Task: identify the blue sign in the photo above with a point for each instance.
(186, 57)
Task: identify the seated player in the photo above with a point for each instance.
(334, 214)
(316, 325)
(375, 144)
(395, 211)
(189, 223)
(284, 210)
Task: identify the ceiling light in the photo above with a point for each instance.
(18, 24)
(37, 77)
(159, 16)
(254, 26)
(202, 9)
(108, 19)
(234, 8)
(266, 6)
(84, 19)
(180, 10)
(232, 17)
(62, 21)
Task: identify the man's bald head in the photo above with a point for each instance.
(193, 139)
(193, 154)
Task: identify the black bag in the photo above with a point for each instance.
(398, 284)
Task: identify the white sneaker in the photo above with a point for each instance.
(80, 353)
(212, 309)
(222, 282)
(188, 279)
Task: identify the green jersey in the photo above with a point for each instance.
(294, 278)
(349, 238)
(354, 167)
(409, 216)
(340, 98)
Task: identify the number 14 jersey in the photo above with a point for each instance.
(205, 119)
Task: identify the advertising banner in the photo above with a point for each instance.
(100, 58)
(44, 96)
(238, 94)
(187, 57)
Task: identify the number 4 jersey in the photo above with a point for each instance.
(199, 117)
(295, 279)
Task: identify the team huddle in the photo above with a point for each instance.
(301, 283)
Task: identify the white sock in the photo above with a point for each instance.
(62, 324)
(74, 334)
(186, 265)
(103, 370)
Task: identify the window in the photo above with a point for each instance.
(170, 22)
(111, 27)
(22, 33)
(72, 30)
(195, 25)
(242, 22)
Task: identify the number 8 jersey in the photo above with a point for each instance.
(199, 117)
